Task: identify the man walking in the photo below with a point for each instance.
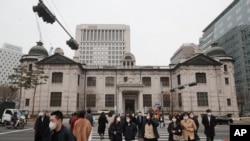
(41, 127)
(209, 123)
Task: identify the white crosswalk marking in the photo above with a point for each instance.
(162, 132)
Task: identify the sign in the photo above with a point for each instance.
(157, 105)
(239, 132)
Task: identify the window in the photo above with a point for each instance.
(179, 79)
(30, 67)
(228, 102)
(166, 100)
(164, 81)
(146, 81)
(57, 77)
(109, 100)
(179, 100)
(56, 99)
(91, 81)
(147, 100)
(226, 81)
(202, 99)
(77, 100)
(125, 79)
(109, 81)
(27, 102)
(78, 80)
(91, 100)
(225, 68)
(200, 78)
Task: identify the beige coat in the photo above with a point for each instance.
(82, 129)
(188, 129)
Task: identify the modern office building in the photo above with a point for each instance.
(9, 59)
(231, 30)
(72, 86)
(102, 44)
(186, 51)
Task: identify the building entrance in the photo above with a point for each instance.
(129, 106)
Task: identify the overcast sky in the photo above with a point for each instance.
(157, 27)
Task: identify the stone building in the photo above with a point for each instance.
(72, 86)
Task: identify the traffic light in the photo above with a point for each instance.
(44, 12)
(72, 44)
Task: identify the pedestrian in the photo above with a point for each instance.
(161, 121)
(41, 127)
(110, 119)
(139, 122)
(130, 129)
(89, 116)
(82, 127)
(116, 129)
(188, 128)
(133, 118)
(73, 120)
(102, 121)
(149, 128)
(58, 131)
(191, 116)
(209, 123)
(174, 130)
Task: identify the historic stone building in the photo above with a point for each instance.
(72, 86)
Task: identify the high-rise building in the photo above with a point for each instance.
(102, 44)
(9, 56)
(231, 30)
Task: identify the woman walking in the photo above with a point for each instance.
(102, 120)
(188, 128)
(149, 129)
(116, 129)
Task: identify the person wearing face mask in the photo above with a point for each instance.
(174, 130)
(139, 123)
(209, 123)
(41, 127)
(149, 128)
(130, 129)
(191, 116)
(188, 128)
(58, 131)
(116, 129)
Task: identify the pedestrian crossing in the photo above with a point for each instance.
(162, 132)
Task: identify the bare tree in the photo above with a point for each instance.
(8, 93)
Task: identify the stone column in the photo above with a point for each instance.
(140, 101)
(120, 110)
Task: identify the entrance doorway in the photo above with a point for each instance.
(129, 106)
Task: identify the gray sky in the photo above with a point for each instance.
(157, 27)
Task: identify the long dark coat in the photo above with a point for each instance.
(130, 131)
(102, 124)
(118, 128)
(175, 128)
(209, 128)
(42, 129)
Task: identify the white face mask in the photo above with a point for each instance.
(40, 114)
(191, 116)
(209, 114)
(118, 119)
(185, 117)
(128, 120)
(174, 120)
(52, 125)
(148, 117)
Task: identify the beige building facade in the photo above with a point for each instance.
(72, 86)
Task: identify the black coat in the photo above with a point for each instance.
(42, 128)
(118, 128)
(102, 124)
(175, 128)
(209, 128)
(130, 131)
(139, 122)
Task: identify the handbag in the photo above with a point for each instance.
(177, 137)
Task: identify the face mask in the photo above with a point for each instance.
(191, 116)
(174, 120)
(40, 114)
(209, 114)
(148, 117)
(52, 125)
(118, 119)
(128, 120)
(185, 117)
